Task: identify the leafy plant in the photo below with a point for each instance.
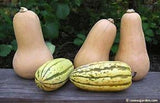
(51, 47)
(5, 49)
(77, 17)
(50, 13)
(79, 40)
(150, 19)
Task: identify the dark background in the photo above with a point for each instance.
(66, 23)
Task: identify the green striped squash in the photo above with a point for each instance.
(53, 74)
(102, 76)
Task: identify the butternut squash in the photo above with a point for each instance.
(132, 47)
(32, 51)
(97, 44)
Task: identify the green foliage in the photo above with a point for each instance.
(51, 30)
(14, 45)
(62, 11)
(116, 43)
(79, 39)
(148, 28)
(75, 18)
(149, 12)
(51, 47)
(78, 2)
(114, 48)
(5, 49)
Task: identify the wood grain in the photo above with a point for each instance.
(14, 89)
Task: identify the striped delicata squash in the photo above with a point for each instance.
(102, 76)
(53, 74)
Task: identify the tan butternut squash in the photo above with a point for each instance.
(32, 51)
(132, 47)
(97, 44)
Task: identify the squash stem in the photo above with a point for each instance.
(23, 9)
(130, 11)
(111, 20)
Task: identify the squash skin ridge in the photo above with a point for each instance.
(53, 74)
(85, 77)
(101, 85)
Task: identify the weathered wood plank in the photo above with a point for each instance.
(15, 89)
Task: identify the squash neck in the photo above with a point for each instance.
(32, 43)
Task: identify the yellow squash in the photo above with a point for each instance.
(53, 74)
(102, 76)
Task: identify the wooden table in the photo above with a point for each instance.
(14, 89)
